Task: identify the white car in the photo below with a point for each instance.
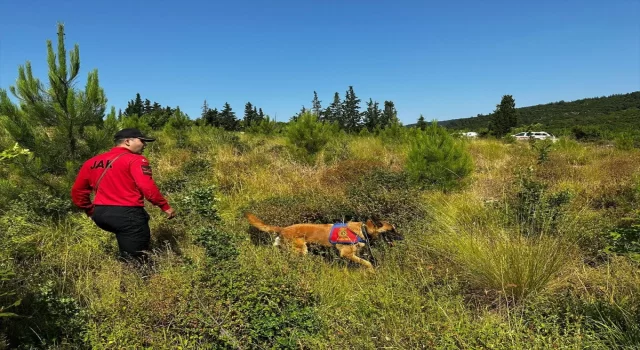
(539, 135)
(471, 134)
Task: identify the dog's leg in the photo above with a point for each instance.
(276, 242)
(300, 245)
(349, 252)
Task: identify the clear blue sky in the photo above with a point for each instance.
(441, 59)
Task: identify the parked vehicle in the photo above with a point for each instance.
(471, 134)
(539, 135)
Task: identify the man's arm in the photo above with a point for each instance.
(81, 191)
(142, 174)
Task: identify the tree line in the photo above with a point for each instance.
(618, 113)
(347, 115)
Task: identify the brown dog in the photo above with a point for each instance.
(347, 238)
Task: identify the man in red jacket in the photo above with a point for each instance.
(121, 180)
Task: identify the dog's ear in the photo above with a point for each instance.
(370, 225)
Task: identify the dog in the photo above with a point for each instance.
(348, 238)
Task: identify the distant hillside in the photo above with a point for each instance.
(615, 113)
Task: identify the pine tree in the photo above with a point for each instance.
(371, 116)
(327, 115)
(437, 160)
(205, 110)
(389, 115)
(260, 114)
(177, 126)
(504, 117)
(139, 106)
(53, 121)
(248, 115)
(147, 107)
(228, 119)
(212, 118)
(135, 106)
(351, 117)
(335, 110)
(307, 136)
(421, 124)
(316, 108)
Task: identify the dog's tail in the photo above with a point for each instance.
(257, 223)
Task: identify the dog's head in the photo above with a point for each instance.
(384, 231)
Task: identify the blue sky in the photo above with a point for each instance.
(443, 60)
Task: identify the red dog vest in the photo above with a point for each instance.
(341, 234)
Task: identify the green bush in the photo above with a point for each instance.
(201, 202)
(437, 160)
(537, 211)
(49, 319)
(39, 204)
(177, 127)
(173, 183)
(307, 136)
(265, 311)
(266, 126)
(196, 165)
(543, 147)
(587, 133)
(625, 240)
(624, 142)
(8, 300)
(218, 244)
(385, 195)
(134, 121)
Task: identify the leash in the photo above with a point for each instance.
(95, 189)
(368, 245)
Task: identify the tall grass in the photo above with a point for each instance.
(514, 265)
(464, 253)
(493, 255)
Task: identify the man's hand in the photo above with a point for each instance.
(170, 213)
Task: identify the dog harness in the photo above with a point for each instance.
(341, 234)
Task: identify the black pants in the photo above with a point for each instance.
(130, 225)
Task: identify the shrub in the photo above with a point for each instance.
(385, 195)
(537, 211)
(625, 240)
(8, 300)
(177, 127)
(266, 126)
(55, 319)
(624, 142)
(307, 136)
(196, 165)
(200, 201)
(218, 244)
(41, 203)
(543, 147)
(171, 184)
(265, 312)
(394, 133)
(587, 133)
(437, 160)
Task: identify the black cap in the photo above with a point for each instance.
(132, 133)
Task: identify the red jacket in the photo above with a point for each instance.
(127, 182)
